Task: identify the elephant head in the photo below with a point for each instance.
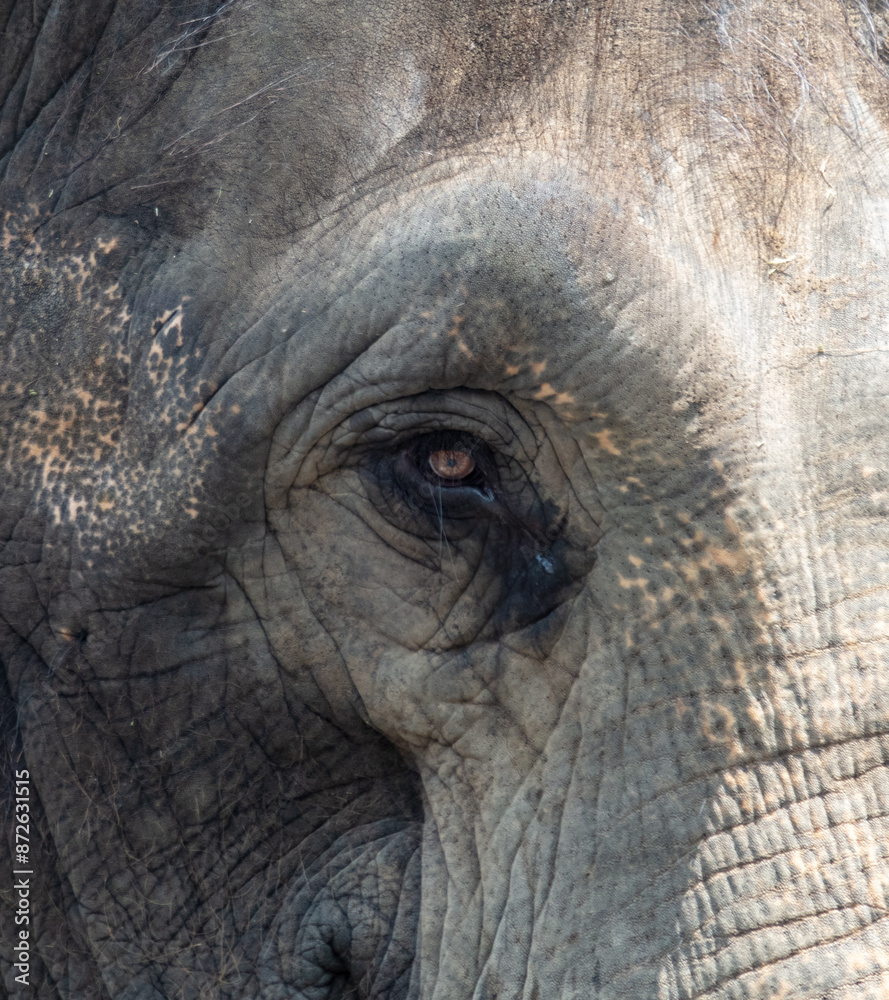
(444, 500)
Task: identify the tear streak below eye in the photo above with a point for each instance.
(447, 464)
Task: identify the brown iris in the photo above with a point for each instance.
(447, 464)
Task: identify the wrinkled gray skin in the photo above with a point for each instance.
(609, 719)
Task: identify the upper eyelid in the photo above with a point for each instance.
(460, 441)
(404, 419)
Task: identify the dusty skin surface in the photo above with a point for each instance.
(604, 716)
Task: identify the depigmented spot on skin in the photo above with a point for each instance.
(757, 714)
(546, 391)
(732, 559)
(605, 443)
(745, 791)
(537, 367)
(155, 364)
(512, 370)
(711, 556)
(718, 725)
(731, 526)
(690, 570)
(455, 329)
(878, 890)
(741, 670)
(169, 321)
(640, 583)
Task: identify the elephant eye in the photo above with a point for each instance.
(449, 462)
(451, 465)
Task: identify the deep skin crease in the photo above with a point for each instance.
(607, 717)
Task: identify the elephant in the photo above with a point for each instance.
(445, 551)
